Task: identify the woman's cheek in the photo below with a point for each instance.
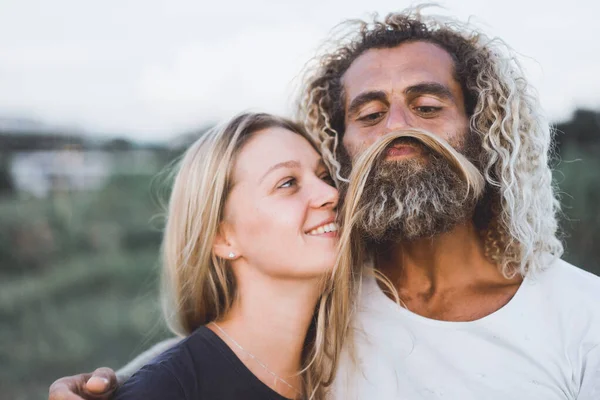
(283, 219)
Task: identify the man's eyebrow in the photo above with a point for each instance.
(284, 164)
(366, 97)
(434, 88)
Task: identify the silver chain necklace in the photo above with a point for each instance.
(252, 356)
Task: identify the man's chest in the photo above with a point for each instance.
(454, 364)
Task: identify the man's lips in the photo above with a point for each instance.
(402, 150)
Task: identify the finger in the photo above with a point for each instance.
(102, 381)
(66, 388)
(97, 385)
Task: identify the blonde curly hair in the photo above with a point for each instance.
(517, 215)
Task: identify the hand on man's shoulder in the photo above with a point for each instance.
(98, 385)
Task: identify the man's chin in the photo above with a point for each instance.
(412, 199)
(416, 231)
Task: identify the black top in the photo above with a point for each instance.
(201, 366)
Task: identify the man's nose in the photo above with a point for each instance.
(398, 118)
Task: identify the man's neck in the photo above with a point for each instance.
(438, 277)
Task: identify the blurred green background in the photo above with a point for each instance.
(80, 229)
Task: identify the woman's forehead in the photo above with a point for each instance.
(272, 146)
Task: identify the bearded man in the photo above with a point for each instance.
(485, 308)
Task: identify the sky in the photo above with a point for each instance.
(152, 69)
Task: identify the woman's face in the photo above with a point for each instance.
(279, 216)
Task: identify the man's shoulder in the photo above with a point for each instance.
(568, 294)
(565, 279)
(571, 296)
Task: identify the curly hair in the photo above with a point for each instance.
(517, 216)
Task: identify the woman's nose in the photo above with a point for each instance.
(326, 196)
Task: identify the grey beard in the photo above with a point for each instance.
(412, 199)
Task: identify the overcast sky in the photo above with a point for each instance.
(151, 69)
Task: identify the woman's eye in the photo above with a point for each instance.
(288, 183)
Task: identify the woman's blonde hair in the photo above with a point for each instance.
(517, 217)
(198, 286)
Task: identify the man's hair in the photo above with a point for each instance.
(517, 216)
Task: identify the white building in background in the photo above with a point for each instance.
(40, 173)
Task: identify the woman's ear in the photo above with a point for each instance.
(224, 246)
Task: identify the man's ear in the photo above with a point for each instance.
(224, 244)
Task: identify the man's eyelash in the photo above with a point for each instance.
(327, 177)
(428, 108)
(371, 116)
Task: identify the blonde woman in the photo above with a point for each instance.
(248, 247)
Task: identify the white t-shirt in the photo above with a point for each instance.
(544, 344)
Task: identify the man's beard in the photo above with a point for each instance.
(414, 198)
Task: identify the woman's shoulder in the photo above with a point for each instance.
(175, 373)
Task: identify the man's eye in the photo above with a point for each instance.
(288, 183)
(427, 110)
(371, 117)
(328, 179)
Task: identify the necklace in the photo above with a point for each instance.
(253, 357)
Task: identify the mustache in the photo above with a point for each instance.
(366, 163)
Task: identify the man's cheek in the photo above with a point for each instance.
(354, 147)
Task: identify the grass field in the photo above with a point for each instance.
(78, 284)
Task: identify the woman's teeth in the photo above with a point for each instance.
(332, 227)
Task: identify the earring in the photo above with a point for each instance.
(231, 255)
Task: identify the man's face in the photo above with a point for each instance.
(409, 86)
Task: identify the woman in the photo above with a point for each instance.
(248, 249)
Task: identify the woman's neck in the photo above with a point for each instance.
(269, 320)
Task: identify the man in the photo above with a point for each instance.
(489, 311)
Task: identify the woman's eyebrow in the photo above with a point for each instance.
(284, 164)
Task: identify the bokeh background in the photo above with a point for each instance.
(96, 98)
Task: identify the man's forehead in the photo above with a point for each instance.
(392, 69)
